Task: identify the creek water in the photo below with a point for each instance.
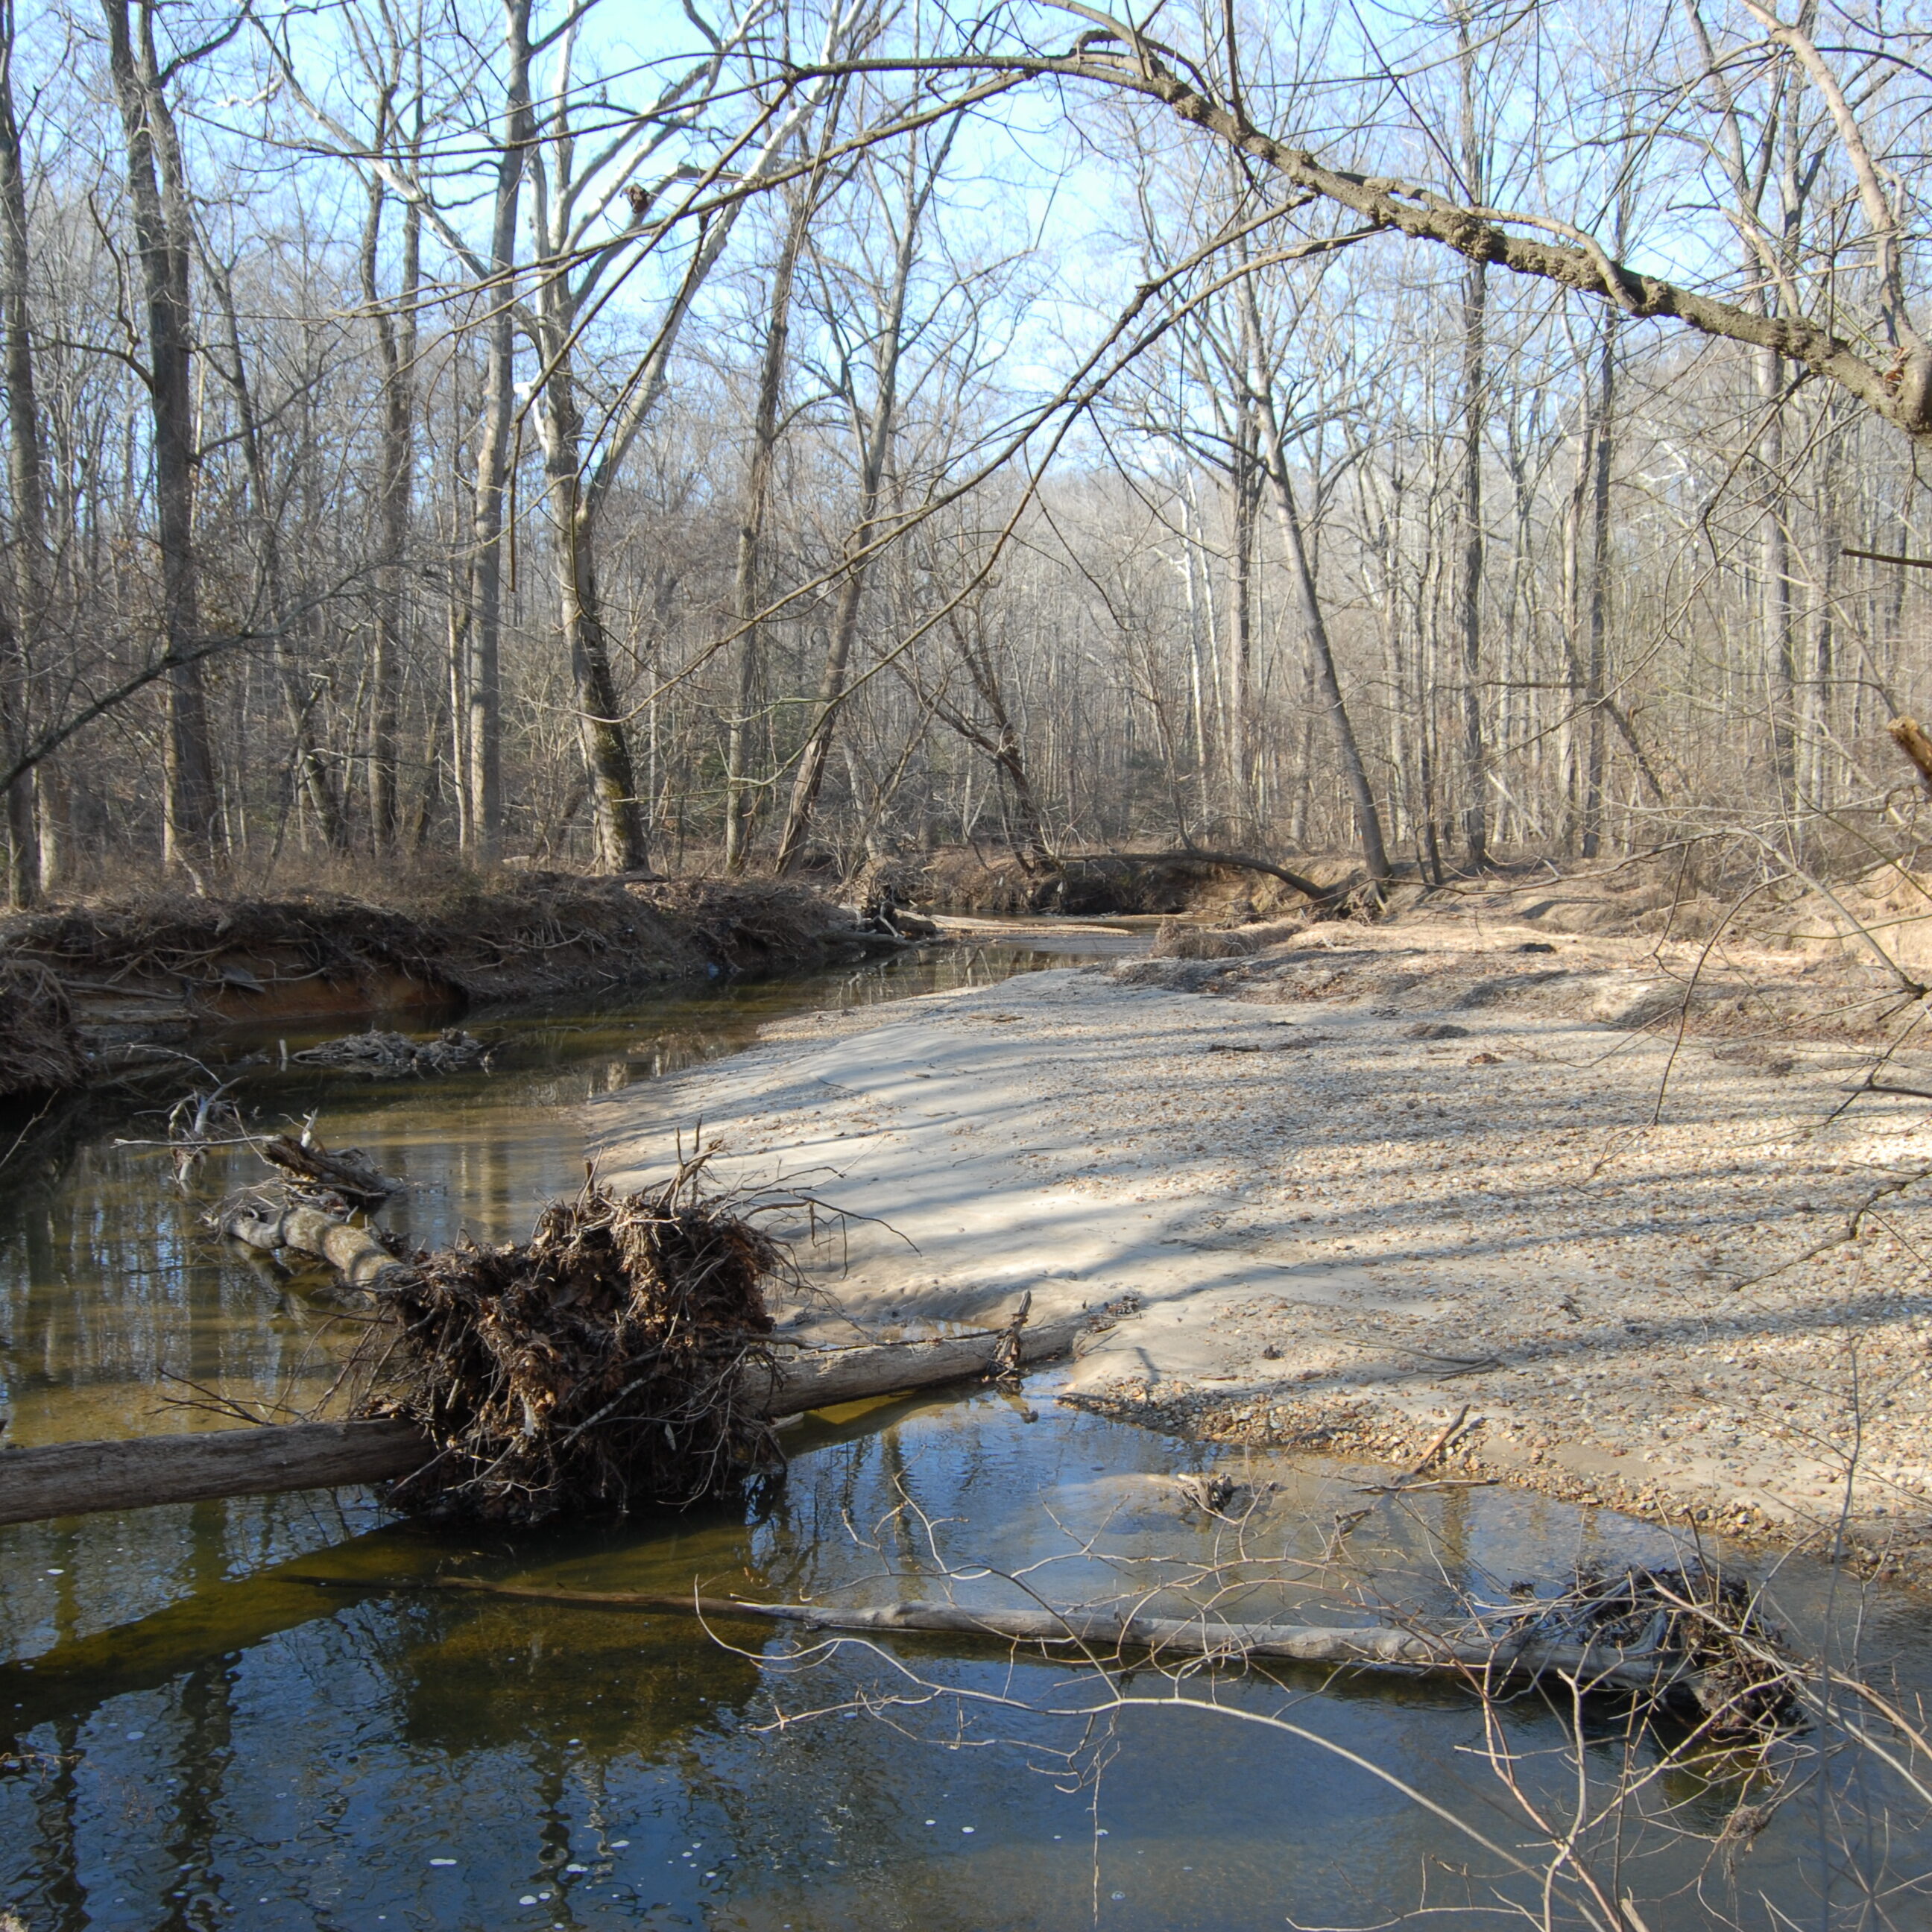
(246, 1714)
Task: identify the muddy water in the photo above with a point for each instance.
(242, 1715)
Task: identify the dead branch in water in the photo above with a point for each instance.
(1663, 1634)
(310, 1166)
(1320, 895)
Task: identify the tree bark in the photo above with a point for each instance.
(482, 641)
(76, 1478)
(163, 235)
(27, 480)
(747, 593)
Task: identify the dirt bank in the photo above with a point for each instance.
(967, 879)
(82, 989)
(1630, 1206)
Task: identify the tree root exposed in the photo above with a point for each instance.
(611, 1359)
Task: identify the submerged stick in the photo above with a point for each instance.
(76, 1478)
(1375, 1646)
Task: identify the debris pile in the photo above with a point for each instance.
(40, 1052)
(611, 1361)
(1728, 1660)
(311, 1172)
(394, 1056)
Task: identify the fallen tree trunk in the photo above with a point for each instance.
(76, 1478)
(353, 1252)
(1374, 1646)
(1320, 895)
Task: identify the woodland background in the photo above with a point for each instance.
(621, 437)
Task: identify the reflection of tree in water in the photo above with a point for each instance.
(58, 1890)
(195, 1881)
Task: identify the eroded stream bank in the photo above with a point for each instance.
(199, 1739)
(121, 989)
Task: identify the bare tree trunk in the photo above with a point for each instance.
(1596, 661)
(396, 348)
(621, 843)
(1273, 465)
(297, 703)
(747, 593)
(483, 629)
(1354, 772)
(27, 480)
(1774, 585)
(876, 444)
(159, 193)
(811, 776)
(1475, 398)
(1002, 744)
(1245, 470)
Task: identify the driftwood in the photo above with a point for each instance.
(312, 1167)
(74, 1478)
(394, 1056)
(1371, 1646)
(354, 1253)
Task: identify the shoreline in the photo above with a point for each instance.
(91, 991)
(1348, 1186)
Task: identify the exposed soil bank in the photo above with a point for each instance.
(964, 879)
(83, 989)
(1633, 1206)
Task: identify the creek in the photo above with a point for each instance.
(195, 1735)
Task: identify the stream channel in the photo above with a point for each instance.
(193, 1736)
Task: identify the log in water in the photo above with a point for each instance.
(77, 1478)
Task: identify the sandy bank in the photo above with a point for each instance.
(1373, 1176)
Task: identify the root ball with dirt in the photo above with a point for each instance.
(611, 1361)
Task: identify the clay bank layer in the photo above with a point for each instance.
(89, 990)
(1664, 1252)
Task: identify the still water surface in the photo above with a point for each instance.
(194, 1734)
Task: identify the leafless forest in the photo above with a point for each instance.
(781, 432)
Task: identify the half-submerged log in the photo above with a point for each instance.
(354, 1252)
(75, 1478)
(1702, 1665)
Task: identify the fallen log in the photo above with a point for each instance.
(1371, 1646)
(347, 1171)
(354, 1253)
(78, 1478)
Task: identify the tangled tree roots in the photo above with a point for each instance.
(39, 1051)
(609, 1362)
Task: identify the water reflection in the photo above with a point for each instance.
(369, 1756)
